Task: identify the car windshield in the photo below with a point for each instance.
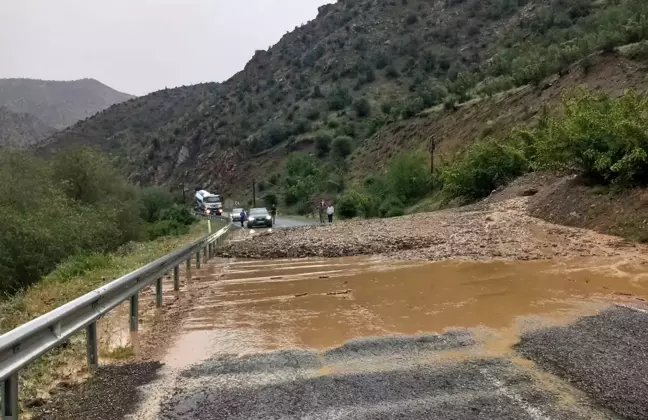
(212, 199)
(237, 211)
(258, 212)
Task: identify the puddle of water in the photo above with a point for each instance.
(315, 303)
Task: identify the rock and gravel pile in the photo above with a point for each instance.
(502, 230)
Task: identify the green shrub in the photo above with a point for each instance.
(153, 201)
(412, 108)
(342, 146)
(177, 213)
(347, 206)
(313, 114)
(408, 177)
(604, 138)
(323, 145)
(391, 207)
(166, 228)
(362, 107)
(481, 168)
(353, 204)
(391, 72)
(339, 99)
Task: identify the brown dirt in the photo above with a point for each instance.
(603, 209)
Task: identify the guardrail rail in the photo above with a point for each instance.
(30, 341)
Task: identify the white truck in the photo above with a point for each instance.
(208, 203)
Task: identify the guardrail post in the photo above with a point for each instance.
(198, 260)
(189, 268)
(176, 278)
(205, 254)
(10, 398)
(158, 292)
(93, 354)
(134, 312)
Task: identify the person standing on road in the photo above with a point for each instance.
(273, 213)
(242, 216)
(329, 211)
(321, 208)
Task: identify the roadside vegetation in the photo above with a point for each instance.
(69, 225)
(76, 276)
(71, 210)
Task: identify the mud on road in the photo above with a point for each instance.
(500, 230)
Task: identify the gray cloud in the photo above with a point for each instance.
(138, 46)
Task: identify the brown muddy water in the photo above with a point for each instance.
(255, 306)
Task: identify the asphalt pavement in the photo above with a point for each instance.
(380, 378)
(285, 222)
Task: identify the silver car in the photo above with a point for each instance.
(236, 215)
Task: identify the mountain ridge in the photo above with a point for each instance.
(57, 103)
(358, 67)
(21, 130)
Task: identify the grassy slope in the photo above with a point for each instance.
(70, 280)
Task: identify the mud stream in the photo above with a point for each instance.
(256, 306)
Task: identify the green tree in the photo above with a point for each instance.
(323, 144)
(362, 107)
(342, 146)
(339, 99)
(408, 177)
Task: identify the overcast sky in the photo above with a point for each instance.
(139, 46)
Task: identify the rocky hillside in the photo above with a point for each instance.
(58, 104)
(18, 130)
(361, 69)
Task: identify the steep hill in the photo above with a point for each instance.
(18, 130)
(58, 104)
(362, 69)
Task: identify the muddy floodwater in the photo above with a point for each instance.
(255, 306)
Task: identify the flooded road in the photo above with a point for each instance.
(367, 338)
(317, 303)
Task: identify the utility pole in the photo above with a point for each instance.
(431, 147)
(253, 193)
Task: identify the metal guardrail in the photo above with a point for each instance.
(28, 342)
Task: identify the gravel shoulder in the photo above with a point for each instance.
(498, 230)
(604, 355)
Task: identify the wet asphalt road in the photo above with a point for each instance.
(284, 222)
(388, 378)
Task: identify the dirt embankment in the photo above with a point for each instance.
(500, 229)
